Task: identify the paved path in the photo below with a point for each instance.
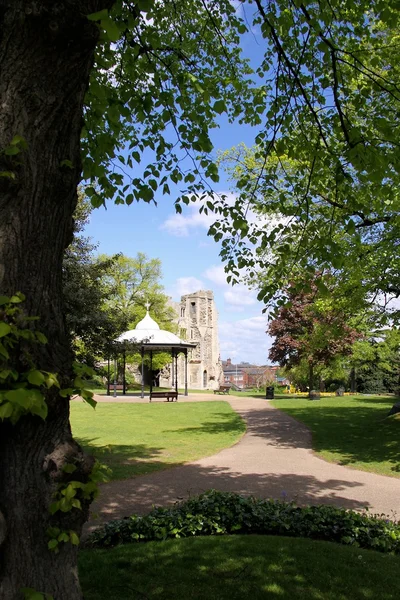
(272, 460)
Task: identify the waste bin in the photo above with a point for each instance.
(270, 392)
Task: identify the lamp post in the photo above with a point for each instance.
(115, 376)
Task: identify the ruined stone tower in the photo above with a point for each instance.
(197, 319)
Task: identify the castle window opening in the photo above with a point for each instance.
(204, 379)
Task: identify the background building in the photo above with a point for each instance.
(197, 319)
(245, 375)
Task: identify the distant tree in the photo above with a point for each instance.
(309, 330)
(131, 283)
(89, 323)
(376, 362)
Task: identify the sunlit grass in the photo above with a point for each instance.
(351, 430)
(134, 439)
(238, 568)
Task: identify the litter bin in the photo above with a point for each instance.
(270, 392)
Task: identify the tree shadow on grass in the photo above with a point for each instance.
(382, 400)
(226, 423)
(120, 499)
(125, 460)
(355, 434)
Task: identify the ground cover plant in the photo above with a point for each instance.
(237, 567)
(351, 430)
(218, 513)
(134, 439)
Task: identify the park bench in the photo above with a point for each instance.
(119, 387)
(171, 396)
(223, 389)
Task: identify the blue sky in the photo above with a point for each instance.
(190, 259)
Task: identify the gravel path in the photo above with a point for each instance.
(272, 460)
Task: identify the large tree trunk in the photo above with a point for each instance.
(46, 53)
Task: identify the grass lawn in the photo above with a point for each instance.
(237, 568)
(351, 430)
(134, 439)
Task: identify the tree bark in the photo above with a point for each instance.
(353, 380)
(310, 375)
(46, 53)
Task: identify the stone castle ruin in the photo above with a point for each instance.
(197, 320)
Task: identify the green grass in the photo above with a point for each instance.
(134, 439)
(237, 568)
(351, 430)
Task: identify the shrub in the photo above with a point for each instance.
(216, 513)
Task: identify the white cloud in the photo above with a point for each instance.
(236, 297)
(185, 285)
(216, 274)
(181, 225)
(245, 340)
(240, 296)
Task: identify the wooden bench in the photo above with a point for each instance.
(171, 396)
(223, 389)
(119, 387)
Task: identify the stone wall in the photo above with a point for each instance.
(197, 320)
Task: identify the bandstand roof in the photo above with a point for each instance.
(148, 335)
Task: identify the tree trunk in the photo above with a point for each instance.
(46, 53)
(353, 380)
(310, 375)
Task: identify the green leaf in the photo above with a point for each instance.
(12, 150)
(4, 328)
(30, 400)
(219, 106)
(4, 300)
(111, 29)
(90, 400)
(52, 544)
(74, 538)
(66, 392)
(69, 468)
(18, 140)
(52, 380)
(98, 16)
(41, 337)
(6, 410)
(69, 492)
(36, 377)
(66, 163)
(3, 352)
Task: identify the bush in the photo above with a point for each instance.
(216, 513)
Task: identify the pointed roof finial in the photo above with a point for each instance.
(147, 305)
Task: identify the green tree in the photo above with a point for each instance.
(376, 362)
(325, 172)
(90, 324)
(310, 331)
(146, 81)
(130, 284)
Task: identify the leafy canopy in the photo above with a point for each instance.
(327, 161)
(163, 72)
